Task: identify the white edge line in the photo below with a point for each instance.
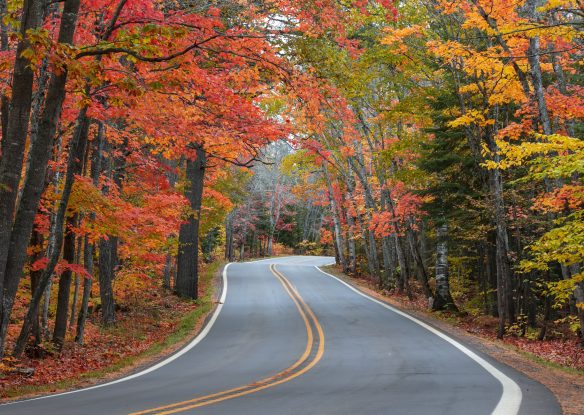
(510, 400)
(302, 257)
(166, 361)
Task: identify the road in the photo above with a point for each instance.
(289, 339)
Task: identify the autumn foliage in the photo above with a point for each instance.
(433, 146)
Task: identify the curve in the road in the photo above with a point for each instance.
(312, 354)
(511, 397)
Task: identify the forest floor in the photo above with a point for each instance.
(557, 363)
(145, 332)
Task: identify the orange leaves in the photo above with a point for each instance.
(396, 37)
(326, 236)
(567, 198)
(347, 151)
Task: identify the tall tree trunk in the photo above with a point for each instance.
(443, 298)
(106, 277)
(69, 255)
(187, 276)
(4, 45)
(167, 272)
(87, 283)
(76, 284)
(505, 286)
(402, 284)
(16, 116)
(96, 162)
(491, 270)
(44, 317)
(229, 240)
(533, 59)
(33, 185)
(352, 249)
(61, 316)
(36, 241)
(421, 268)
(54, 249)
(336, 223)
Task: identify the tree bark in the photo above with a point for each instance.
(443, 298)
(33, 185)
(36, 241)
(533, 59)
(75, 301)
(106, 276)
(421, 268)
(167, 272)
(96, 161)
(336, 222)
(16, 116)
(62, 313)
(77, 153)
(187, 276)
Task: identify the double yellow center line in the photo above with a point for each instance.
(312, 354)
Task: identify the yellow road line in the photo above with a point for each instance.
(267, 382)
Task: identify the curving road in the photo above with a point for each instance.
(290, 339)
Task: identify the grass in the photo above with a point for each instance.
(183, 331)
(535, 358)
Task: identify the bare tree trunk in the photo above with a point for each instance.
(443, 298)
(336, 223)
(78, 154)
(187, 277)
(96, 162)
(422, 273)
(505, 286)
(45, 332)
(229, 242)
(87, 283)
(533, 58)
(403, 266)
(16, 117)
(64, 293)
(33, 185)
(36, 242)
(76, 284)
(351, 242)
(106, 277)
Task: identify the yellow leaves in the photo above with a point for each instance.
(450, 51)
(517, 154)
(556, 4)
(563, 244)
(475, 117)
(475, 21)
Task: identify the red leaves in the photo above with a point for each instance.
(62, 266)
(39, 264)
(406, 208)
(135, 332)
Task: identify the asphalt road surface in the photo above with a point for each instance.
(290, 339)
